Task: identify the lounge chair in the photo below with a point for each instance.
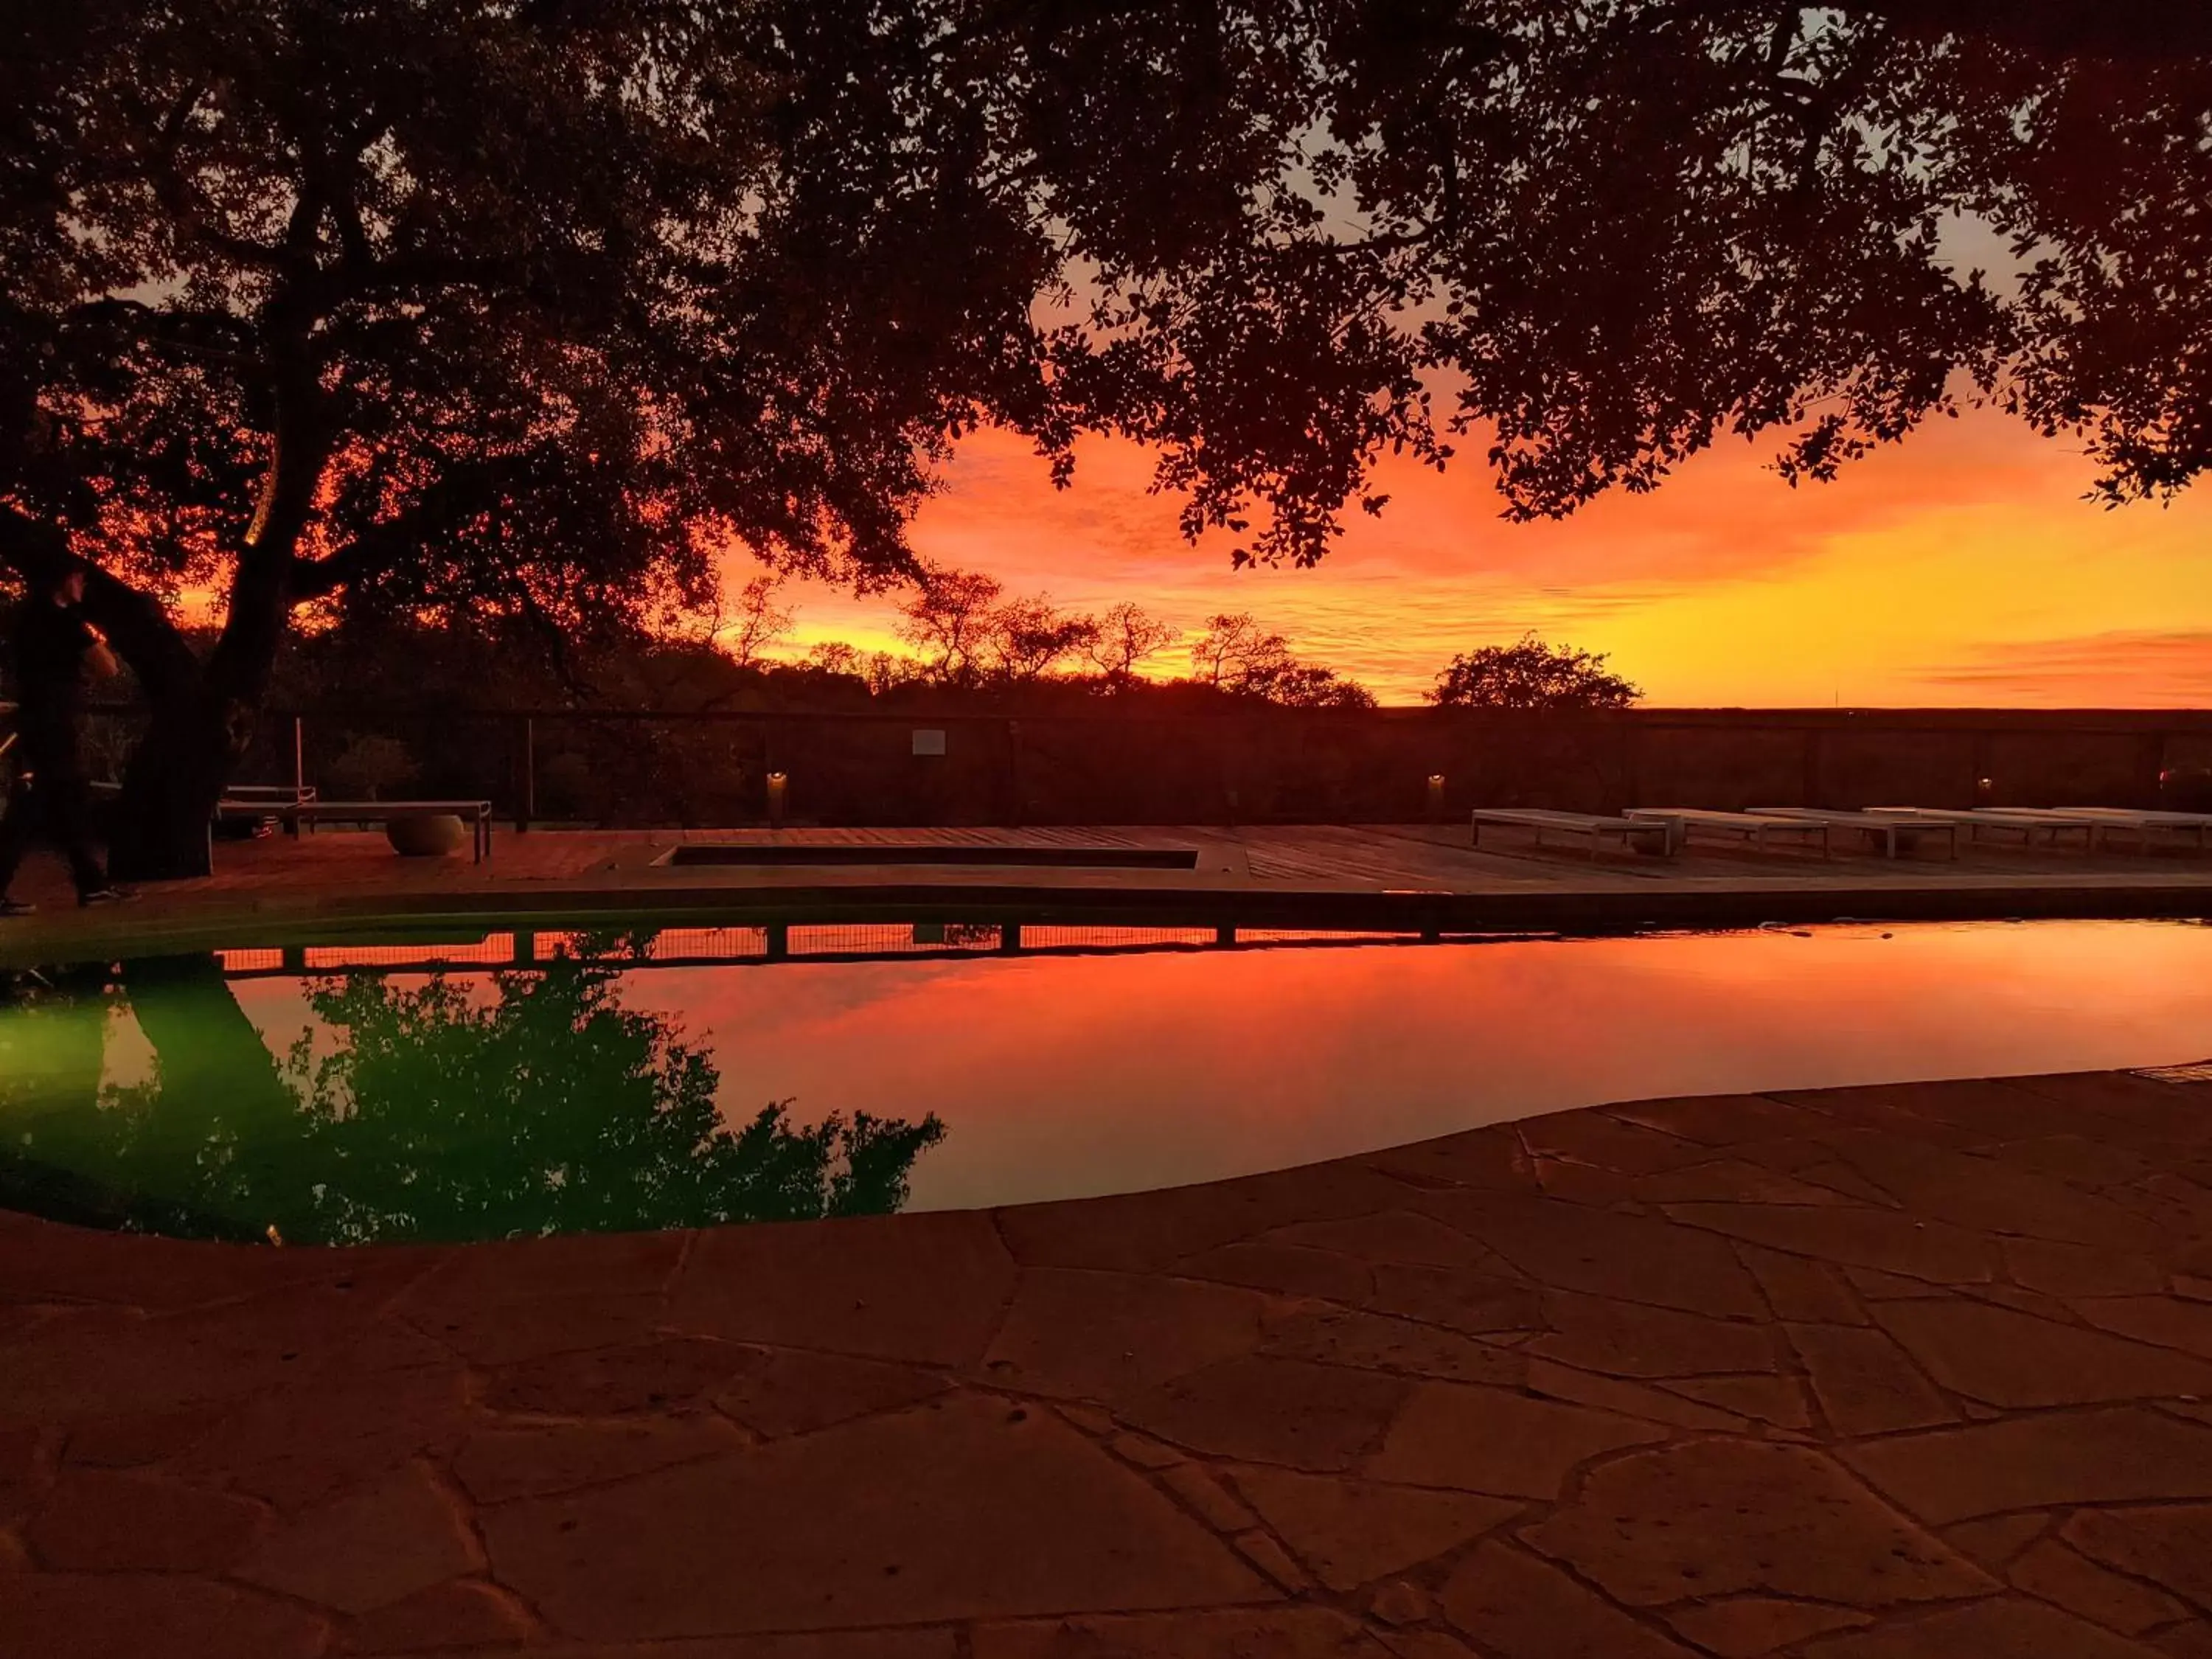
(2143, 824)
(1890, 829)
(1593, 829)
(2022, 821)
(1756, 827)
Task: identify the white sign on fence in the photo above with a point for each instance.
(928, 743)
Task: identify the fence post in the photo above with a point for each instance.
(299, 756)
(526, 766)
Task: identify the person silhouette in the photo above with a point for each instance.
(54, 647)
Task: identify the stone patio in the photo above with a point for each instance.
(1862, 1374)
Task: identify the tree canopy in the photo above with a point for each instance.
(532, 307)
(1530, 674)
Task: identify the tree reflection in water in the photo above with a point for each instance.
(425, 1111)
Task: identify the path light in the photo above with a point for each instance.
(777, 782)
(1435, 797)
(1985, 788)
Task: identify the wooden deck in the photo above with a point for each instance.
(1415, 878)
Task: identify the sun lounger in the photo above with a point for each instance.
(2195, 825)
(476, 814)
(1892, 830)
(2022, 821)
(1595, 831)
(1756, 827)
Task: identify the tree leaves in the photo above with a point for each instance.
(1531, 674)
(575, 296)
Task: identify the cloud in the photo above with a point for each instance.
(2118, 668)
(1723, 516)
(1724, 585)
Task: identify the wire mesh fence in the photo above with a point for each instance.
(632, 768)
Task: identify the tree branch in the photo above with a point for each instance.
(176, 194)
(405, 272)
(169, 329)
(468, 487)
(2145, 29)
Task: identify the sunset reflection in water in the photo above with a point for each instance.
(1059, 1077)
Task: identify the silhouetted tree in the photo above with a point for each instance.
(947, 617)
(1235, 655)
(1530, 674)
(1030, 638)
(524, 308)
(482, 309)
(1294, 685)
(760, 621)
(1128, 636)
(1231, 646)
(838, 656)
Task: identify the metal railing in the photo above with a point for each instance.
(522, 949)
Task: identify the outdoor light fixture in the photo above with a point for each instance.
(777, 782)
(1435, 797)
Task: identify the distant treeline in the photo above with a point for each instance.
(397, 706)
(965, 635)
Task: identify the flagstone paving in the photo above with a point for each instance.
(1914, 1372)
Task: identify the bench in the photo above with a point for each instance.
(1593, 829)
(264, 797)
(1753, 827)
(2142, 823)
(2024, 822)
(258, 804)
(1890, 829)
(476, 814)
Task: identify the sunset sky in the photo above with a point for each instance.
(1960, 567)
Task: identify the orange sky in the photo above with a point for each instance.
(1960, 567)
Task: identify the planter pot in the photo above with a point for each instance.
(426, 835)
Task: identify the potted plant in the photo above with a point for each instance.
(426, 835)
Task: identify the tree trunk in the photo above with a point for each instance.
(170, 789)
(203, 724)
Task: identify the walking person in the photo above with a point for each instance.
(54, 648)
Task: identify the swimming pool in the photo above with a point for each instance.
(532, 1083)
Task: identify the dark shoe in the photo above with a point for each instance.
(16, 907)
(106, 896)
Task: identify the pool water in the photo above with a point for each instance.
(637, 1085)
